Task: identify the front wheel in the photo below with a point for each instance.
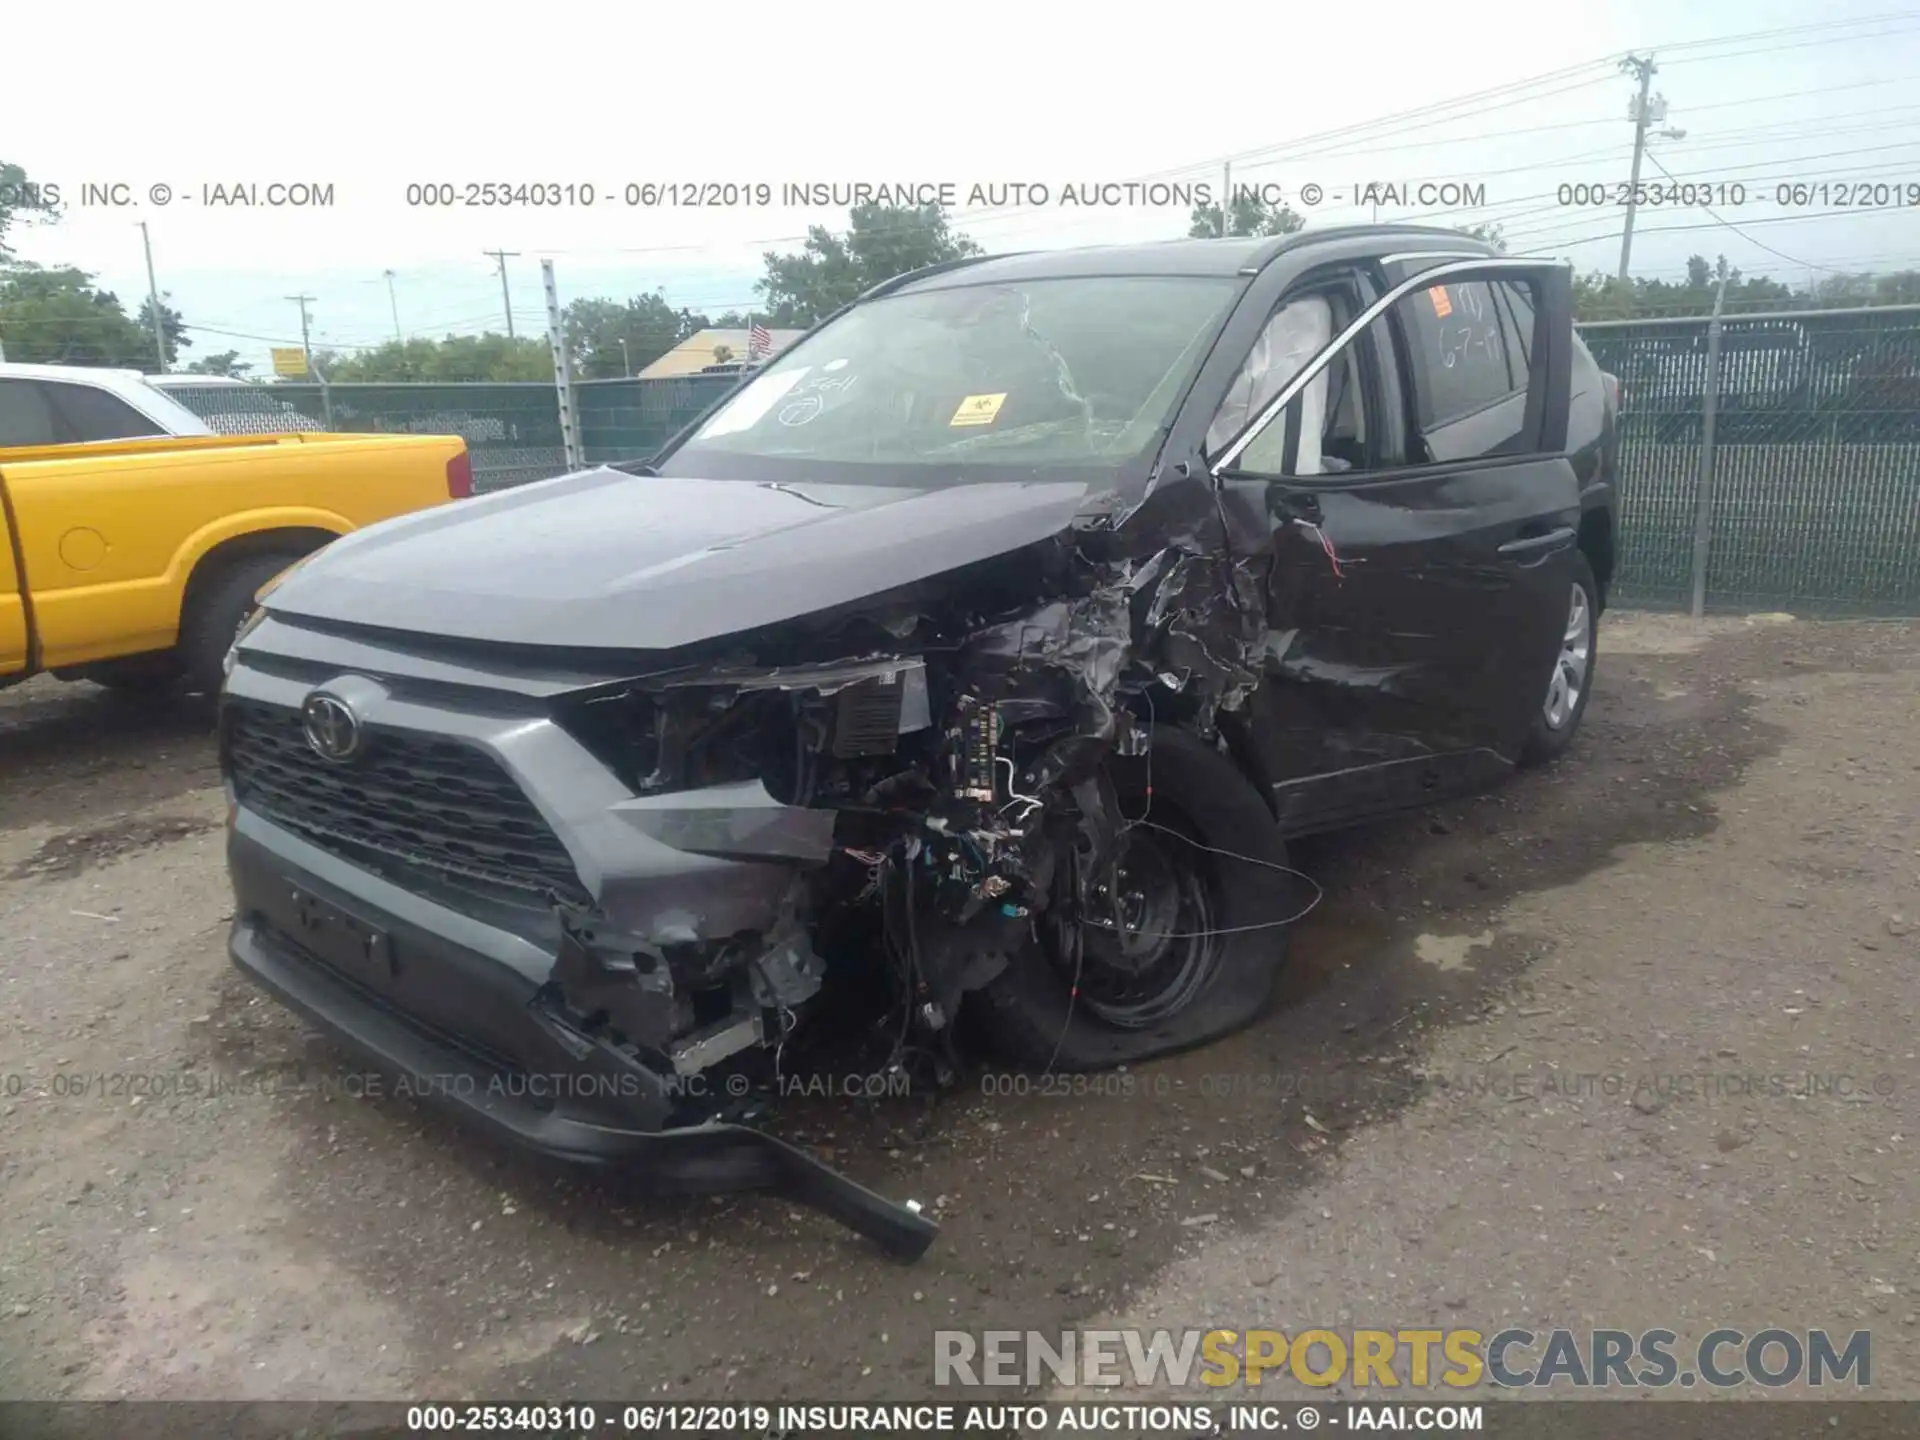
(1183, 937)
(1570, 686)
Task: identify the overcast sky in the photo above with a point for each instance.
(371, 98)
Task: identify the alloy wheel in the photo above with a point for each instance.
(1570, 669)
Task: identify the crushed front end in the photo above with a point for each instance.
(595, 901)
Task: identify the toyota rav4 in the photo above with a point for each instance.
(973, 660)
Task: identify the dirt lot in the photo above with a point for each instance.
(1723, 877)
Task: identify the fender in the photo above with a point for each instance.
(203, 541)
(80, 624)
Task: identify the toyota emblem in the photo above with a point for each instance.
(332, 729)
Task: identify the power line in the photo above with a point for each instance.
(1793, 219)
(1743, 234)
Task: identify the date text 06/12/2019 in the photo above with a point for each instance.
(1810, 194)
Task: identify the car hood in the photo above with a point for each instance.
(606, 559)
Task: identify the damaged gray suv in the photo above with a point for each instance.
(970, 664)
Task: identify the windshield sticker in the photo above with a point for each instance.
(979, 409)
(751, 405)
(1442, 303)
(802, 408)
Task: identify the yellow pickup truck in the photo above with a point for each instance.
(133, 563)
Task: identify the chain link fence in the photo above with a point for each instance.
(1814, 464)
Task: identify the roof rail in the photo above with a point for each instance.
(886, 287)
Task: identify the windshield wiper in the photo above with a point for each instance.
(636, 467)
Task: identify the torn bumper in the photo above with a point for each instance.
(449, 1006)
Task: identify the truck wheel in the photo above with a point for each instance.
(214, 615)
(137, 675)
(1199, 938)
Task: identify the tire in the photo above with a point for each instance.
(214, 615)
(1550, 737)
(1031, 1014)
(137, 676)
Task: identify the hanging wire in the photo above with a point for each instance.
(1319, 892)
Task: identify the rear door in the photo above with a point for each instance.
(1424, 515)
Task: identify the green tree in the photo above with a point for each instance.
(20, 202)
(830, 270)
(1247, 215)
(647, 323)
(221, 362)
(323, 362)
(456, 359)
(172, 328)
(1598, 296)
(57, 316)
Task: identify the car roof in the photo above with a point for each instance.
(1228, 257)
(20, 371)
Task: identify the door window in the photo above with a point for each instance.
(1327, 429)
(1517, 309)
(1459, 352)
(1297, 331)
(92, 414)
(25, 416)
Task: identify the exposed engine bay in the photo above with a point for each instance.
(941, 789)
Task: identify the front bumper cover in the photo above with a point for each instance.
(443, 1002)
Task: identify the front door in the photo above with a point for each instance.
(1423, 516)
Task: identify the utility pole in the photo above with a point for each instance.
(1642, 115)
(626, 360)
(1226, 198)
(1703, 488)
(394, 304)
(306, 346)
(153, 303)
(500, 258)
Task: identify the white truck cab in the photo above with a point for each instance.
(76, 404)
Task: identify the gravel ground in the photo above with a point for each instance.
(1723, 876)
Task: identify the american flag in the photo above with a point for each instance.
(759, 342)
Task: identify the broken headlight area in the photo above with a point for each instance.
(921, 807)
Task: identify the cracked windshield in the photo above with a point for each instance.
(1060, 372)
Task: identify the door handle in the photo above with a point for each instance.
(1529, 544)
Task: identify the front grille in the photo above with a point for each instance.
(438, 806)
